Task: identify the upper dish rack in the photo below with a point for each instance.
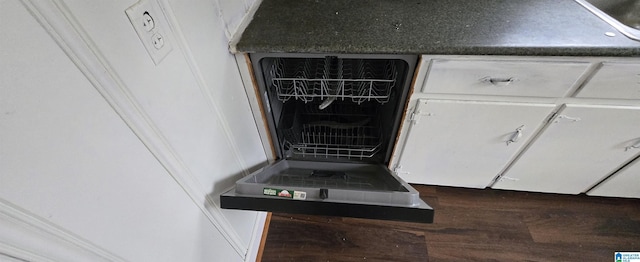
(333, 78)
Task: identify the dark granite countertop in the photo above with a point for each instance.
(461, 27)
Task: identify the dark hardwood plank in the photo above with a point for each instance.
(512, 251)
(319, 238)
(470, 225)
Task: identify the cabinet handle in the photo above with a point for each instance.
(634, 146)
(516, 135)
(499, 81)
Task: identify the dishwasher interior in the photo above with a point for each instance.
(333, 121)
(334, 109)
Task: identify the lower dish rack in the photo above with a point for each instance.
(332, 133)
(326, 141)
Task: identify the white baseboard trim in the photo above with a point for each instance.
(254, 245)
(29, 237)
(60, 23)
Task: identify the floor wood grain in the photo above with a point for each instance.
(470, 225)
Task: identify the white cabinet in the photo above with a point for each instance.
(467, 107)
(614, 80)
(466, 143)
(537, 78)
(579, 147)
(625, 183)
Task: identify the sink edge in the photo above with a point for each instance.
(628, 31)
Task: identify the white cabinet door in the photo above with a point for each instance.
(464, 143)
(580, 146)
(625, 183)
(614, 80)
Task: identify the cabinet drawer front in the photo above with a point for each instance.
(502, 78)
(614, 80)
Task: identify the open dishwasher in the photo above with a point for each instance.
(333, 122)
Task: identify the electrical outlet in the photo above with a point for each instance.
(151, 26)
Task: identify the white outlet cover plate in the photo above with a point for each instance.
(136, 14)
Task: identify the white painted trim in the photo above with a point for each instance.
(32, 238)
(60, 23)
(20, 254)
(254, 245)
(199, 77)
(246, 20)
(254, 104)
(220, 15)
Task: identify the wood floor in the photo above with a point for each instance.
(470, 225)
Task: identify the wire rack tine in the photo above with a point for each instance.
(356, 79)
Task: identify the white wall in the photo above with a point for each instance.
(104, 155)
